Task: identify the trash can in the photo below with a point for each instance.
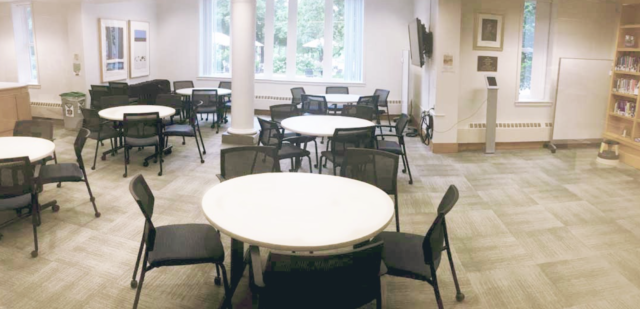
(71, 104)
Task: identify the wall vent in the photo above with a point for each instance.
(46, 104)
(512, 125)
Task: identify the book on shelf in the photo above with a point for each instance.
(627, 86)
(625, 108)
(628, 63)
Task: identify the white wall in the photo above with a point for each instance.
(385, 38)
(8, 69)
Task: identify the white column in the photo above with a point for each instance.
(243, 23)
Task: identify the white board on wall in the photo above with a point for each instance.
(581, 99)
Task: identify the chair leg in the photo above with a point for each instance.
(126, 158)
(198, 144)
(459, 294)
(144, 271)
(406, 158)
(34, 220)
(184, 141)
(55, 160)
(91, 198)
(317, 162)
(310, 165)
(134, 283)
(404, 165)
(227, 289)
(436, 290)
(397, 212)
(320, 165)
(95, 157)
(161, 151)
(217, 280)
(204, 151)
(389, 119)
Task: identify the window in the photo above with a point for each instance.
(26, 51)
(533, 53)
(314, 40)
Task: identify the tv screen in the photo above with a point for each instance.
(415, 40)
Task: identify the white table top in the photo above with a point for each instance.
(35, 148)
(117, 113)
(189, 91)
(320, 125)
(341, 98)
(275, 211)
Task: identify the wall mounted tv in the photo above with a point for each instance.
(421, 42)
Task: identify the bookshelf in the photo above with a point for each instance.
(622, 118)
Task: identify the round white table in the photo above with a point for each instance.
(341, 99)
(117, 113)
(34, 148)
(189, 91)
(321, 125)
(278, 213)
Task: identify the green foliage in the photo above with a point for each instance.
(528, 36)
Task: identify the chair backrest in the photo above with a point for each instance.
(100, 88)
(225, 85)
(358, 111)
(90, 119)
(96, 98)
(16, 177)
(242, 161)
(142, 125)
(332, 280)
(352, 138)
(182, 84)
(401, 125)
(383, 97)
(371, 101)
(283, 111)
(78, 145)
(205, 97)
(119, 88)
(169, 100)
(434, 241)
(34, 128)
(270, 133)
(296, 95)
(337, 90)
(375, 167)
(114, 101)
(144, 197)
(314, 104)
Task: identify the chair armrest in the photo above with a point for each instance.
(222, 179)
(256, 266)
(294, 139)
(384, 126)
(386, 135)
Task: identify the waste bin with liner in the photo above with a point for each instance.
(71, 104)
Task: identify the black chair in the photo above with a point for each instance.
(281, 112)
(100, 130)
(192, 129)
(113, 101)
(335, 108)
(171, 100)
(374, 167)
(70, 172)
(18, 193)
(343, 139)
(398, 147)
(226, 99)
(271, 134)
(100, 88)
(372, 102)
(142, 130)
(320, 280)
(383, 101)
(36, 128)
(416, 257)
(174, 245)
(207, 102)
(248, 160)
(296, 95)
(358, 111)
(314, 105)
(119, 88)
(96, 97)
(182, 84)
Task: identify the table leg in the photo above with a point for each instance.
(237, 269)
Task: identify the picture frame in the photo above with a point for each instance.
(139, 49)
(487, 64)
(113, 49)
(488, 32)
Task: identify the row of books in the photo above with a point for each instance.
(628, 86)
(628, 63)
(625, 108)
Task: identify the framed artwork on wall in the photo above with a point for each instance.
(487, 64)
(138, 49)
(113, 49)
(489, 32)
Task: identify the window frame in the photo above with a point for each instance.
(290, 77)
(21, 8)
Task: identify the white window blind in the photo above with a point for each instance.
(26, 52)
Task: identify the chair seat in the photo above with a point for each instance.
(63, 172)
(288, 151)
(141, 142)
(402, 254)
(336, 161)
(207, 110)
(106, 133)
(179, 130)
(390, 146)
(17, 202)
(381, 112)
(186, 244)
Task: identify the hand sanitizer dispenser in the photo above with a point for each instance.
(492, 110)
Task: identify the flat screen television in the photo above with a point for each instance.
(421, 42)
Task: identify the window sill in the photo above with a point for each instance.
(533, 103)
(34, 86)
(286, 81)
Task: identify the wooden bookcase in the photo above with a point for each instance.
(617, 123)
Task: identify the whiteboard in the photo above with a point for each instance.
(581, 99)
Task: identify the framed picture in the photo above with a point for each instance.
(139, 49)
(487, 64)
(489, 32)
(113, 49)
